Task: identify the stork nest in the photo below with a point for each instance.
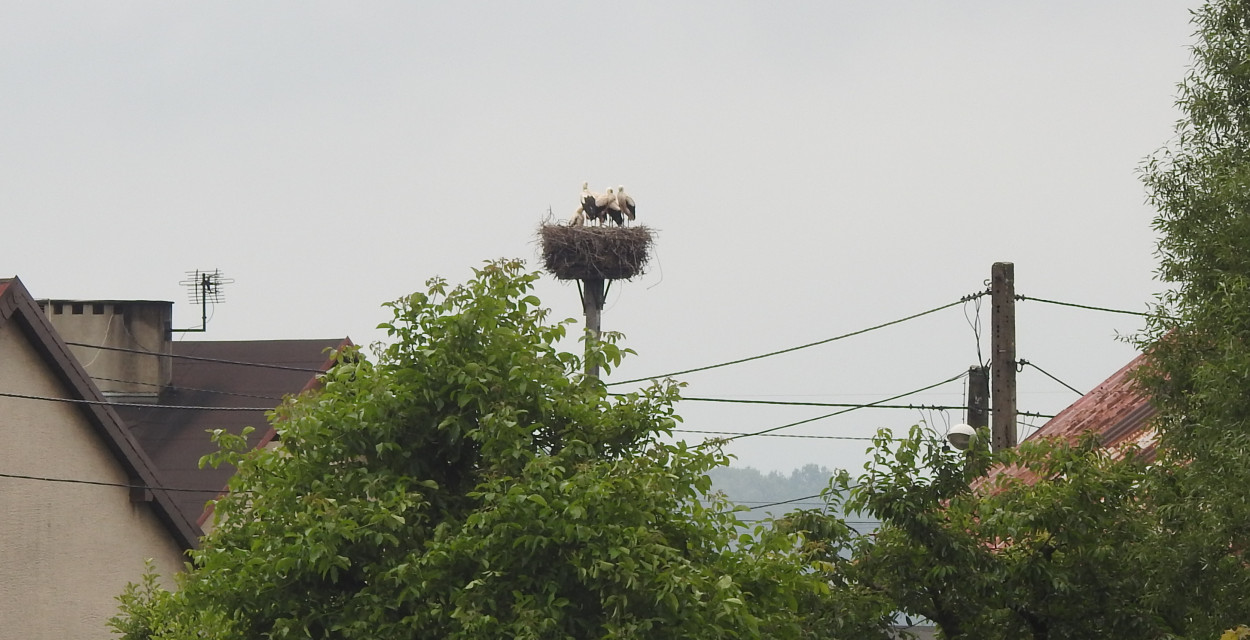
(595, 253)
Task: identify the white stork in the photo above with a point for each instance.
(578, 219)
(606, 203)
(591, 211)
(625, 203)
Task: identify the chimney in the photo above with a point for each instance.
(138, 333)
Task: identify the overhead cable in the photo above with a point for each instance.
(139, 405)
(932, 407)
(263, 365)
(1023, 362)
(194, 389)
(793, 500)
(98, 483)
(1085, 306)
(749, 503)
(850, 524)
(849, 409)
(779, 435)
(781, 502)
(1034, 415)
(974, 322)
(808, 345)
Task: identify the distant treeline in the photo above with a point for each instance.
(750, 487)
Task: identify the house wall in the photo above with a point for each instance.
(66, 550)
(140, 326)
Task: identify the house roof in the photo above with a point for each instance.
(1117, 410)
(18, 307)
(210, 376)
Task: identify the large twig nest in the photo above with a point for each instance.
(608, 253)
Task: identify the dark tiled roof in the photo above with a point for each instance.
(176, 439)
(17, 306)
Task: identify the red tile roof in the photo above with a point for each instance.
(1116, 410)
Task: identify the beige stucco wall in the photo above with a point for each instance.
(66, 550)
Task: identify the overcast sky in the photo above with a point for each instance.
(811, 168)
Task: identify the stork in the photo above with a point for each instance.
(625, 203)
(606, 203)
(588, 203)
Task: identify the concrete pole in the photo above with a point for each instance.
(978, 397)
(592, 305)
(1003, 358)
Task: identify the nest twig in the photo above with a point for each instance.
(608, 253)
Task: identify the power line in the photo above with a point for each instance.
(808, 345)
(123, 485)
(975, 323)
(1049, 375)
(98, 483)
(851, 524)
(735, 434)
(263, 365)
(779, 435)
(1085, 306)
(781, 502)
(793, 500)
(173, 388)
(793, 435)
(748, 503)
(827, 404)
(849, 409)
(959, 394)
(1033, 427)
(139, 405)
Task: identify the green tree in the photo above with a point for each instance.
(473, 484)
(1199, 341)
(1066, 554)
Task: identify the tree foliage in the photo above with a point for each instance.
(1199, 341)
(473, 484)
(991, 555)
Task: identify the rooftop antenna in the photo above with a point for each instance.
(204, 287)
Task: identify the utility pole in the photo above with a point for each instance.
(978, 397)
(1003, 354)
(592, 305)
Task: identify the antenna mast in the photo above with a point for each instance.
(204, 287)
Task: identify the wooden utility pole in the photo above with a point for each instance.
(1003, 354)
(978, 398)
(592, 305)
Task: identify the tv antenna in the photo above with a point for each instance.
(204, 287)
